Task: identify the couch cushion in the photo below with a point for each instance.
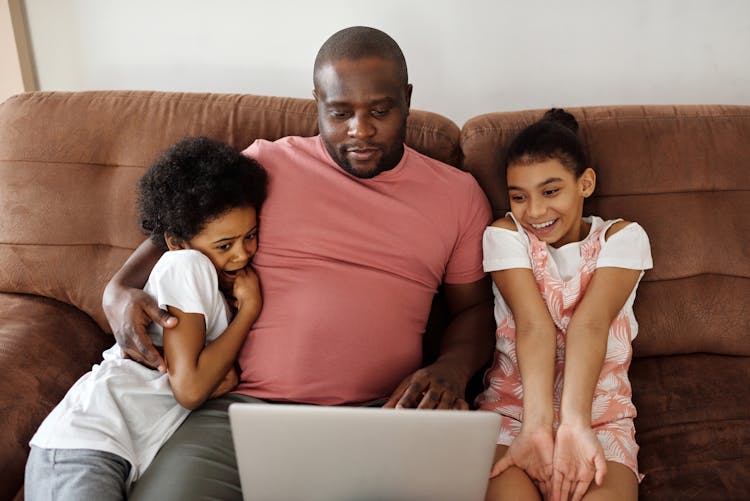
(69, 163)
(693, 426)
(45, 346)
(682, 173)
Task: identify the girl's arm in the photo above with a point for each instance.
(579, 458)
(196, 369)
(535, 347)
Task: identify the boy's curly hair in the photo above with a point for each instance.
(194, 182)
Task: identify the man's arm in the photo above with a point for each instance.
(466, 346)
(129, 310)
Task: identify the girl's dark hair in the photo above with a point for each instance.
(554, 136)
(193, 182)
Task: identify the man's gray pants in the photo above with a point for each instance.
(198, 461)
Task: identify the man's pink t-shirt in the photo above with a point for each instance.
(348, 269)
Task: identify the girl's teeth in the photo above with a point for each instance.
(543, 225)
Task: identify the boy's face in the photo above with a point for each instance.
(362, 110)
(230, 241)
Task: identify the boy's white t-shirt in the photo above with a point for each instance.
(121, 406)
(508, 249)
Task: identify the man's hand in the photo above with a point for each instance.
(437, 386)
(129, 311)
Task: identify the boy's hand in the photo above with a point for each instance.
(129, 311)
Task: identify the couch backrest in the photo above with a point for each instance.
(69, 163)
(683, 173)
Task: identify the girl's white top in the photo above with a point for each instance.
(121, 406)
(507, 249)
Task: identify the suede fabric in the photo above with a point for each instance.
(45, 346)
(68, 167)
(682, 173)
(69, 164)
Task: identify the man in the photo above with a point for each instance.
(357, 233)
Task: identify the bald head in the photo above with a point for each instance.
(360, 42)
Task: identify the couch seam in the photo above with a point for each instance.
(484, 130)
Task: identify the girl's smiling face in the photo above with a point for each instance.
(547, 199)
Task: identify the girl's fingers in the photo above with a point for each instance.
(503, 464)
(580, 490)
(600, 466)
(567, 485)
(557, 481)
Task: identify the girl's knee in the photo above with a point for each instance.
(620, 484)
(514, 484)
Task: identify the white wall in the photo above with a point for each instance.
(465, 57)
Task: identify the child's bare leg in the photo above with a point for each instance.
(513, 483)
(619, 484)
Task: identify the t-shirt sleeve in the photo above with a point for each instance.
(185, 280)
(504, 249)
(465, 264)
(628, 248)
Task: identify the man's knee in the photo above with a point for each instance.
(198, 459)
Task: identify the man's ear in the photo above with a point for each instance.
(409, 88)
(173, 242)
(587, 182)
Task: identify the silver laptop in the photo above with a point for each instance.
(296, 452)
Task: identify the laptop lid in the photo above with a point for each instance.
(294, 452)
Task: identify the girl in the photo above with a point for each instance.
(199, 201)
(564, 287)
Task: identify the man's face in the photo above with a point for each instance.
(362, 110)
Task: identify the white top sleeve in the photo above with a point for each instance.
(504, 249)
(186, 280)
(628, 248)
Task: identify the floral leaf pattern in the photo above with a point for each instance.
(612, 409)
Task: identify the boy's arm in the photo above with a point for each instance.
(129, 310)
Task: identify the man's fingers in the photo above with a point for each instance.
(160, 316)
(396, 396)
(460, 405)
(145, 353)
(412, 397)
(430, 399)
(154, 359)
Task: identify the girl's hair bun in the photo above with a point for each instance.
(562, 117)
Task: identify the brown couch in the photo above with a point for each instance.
(68, 167)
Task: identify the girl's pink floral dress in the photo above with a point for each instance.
(612, 410)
